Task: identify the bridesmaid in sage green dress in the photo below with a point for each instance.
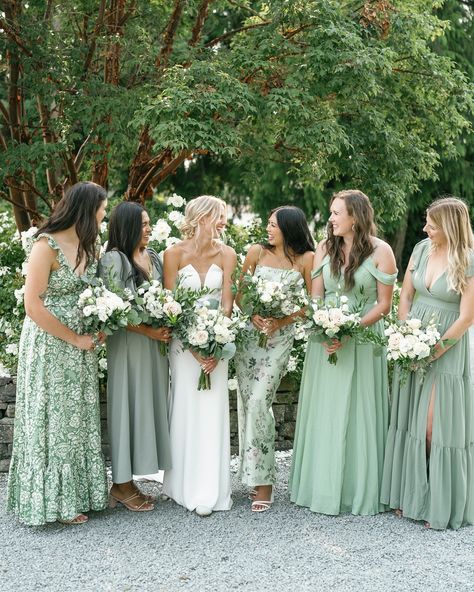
(429, 461)
(137, 374)
(342, 417)
(288, 255)
(57, 471)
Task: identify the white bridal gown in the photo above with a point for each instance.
(199, 420)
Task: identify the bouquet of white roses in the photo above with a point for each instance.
(267, 298)
(411, 344)
(158, 307)
(208, 332)
(333, 319)
(104, 311)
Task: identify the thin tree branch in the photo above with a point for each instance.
(15, 37)
(4, 196)
(235, 31)
(243, 7)
(98, 26)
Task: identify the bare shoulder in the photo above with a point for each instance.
(308, 258)
(42, 248)
(381, 248)
(321, 248)
(229, 252)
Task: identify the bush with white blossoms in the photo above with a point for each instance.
(411, 344)
(334, 319)
(210, 333)
(157, 307)
(104, 311)
(165, 231)
(270, 299)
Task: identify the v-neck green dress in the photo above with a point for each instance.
(439, 490)
(57, 469)
(342, 419)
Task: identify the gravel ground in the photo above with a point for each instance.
(287, 548)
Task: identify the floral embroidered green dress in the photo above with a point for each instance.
(259, 372)
(57, 469)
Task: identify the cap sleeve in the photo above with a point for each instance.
(115, 269)
(318, 271)
(388, 279)
(418, 252)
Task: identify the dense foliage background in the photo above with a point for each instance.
(260, 102)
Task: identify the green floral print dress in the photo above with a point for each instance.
(57, 469)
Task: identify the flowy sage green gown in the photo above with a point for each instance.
(259, 372)
(137, 387)
(342, 418)
(57, 469)
(440, 489)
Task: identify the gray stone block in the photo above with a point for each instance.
(6, 430)
(4, 465)
(8, 392)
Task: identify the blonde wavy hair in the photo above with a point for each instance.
(451, 215)
(197, 209)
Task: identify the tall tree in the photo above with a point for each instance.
(124, 91)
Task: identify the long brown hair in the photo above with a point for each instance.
(359, 207)
(78, 208)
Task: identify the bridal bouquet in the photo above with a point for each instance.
(267, 298)
(208, 332)
(411, 344)
(105, 311)
(334, 319)
(158, 307)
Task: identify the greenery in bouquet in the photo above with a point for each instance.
(334, 318)
(104, 311)
(271, 299)
(158, 307)
(411, 344)
(209, 333)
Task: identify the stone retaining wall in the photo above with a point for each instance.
(284, 409)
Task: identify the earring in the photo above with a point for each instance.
(353, 227)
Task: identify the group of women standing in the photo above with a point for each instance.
(347, 458)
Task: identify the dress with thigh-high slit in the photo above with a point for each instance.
(199, 420)
(438, 489)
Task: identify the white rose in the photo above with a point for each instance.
(266, 297)
(87, 293)
(198, 338)
(176, 201)
(160, 231)
(12, 349)
(232, 384)
(421, 350)
(176, 217)
(344, 299)
(292, 364)
(172, 309)
(414, 324)
(88, 310)
(103, 363)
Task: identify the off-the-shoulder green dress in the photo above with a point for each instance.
(439, 490)
(342, 417)
(137, 387)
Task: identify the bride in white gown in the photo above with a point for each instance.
(199, 420)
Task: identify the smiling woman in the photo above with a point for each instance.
(137, 384)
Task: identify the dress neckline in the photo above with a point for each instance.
(66, 260)
(279, 268)
(203, 283)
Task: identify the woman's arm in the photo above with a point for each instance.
(385, 262)
(171, 260)
(40, 265)
(407, 294)
(462, 323)
(229, 265)
(317, 284)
